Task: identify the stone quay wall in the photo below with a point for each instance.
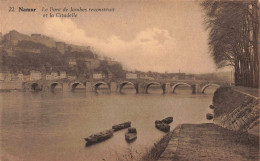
(235, 110)
(11, 85)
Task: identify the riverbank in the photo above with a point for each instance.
(158, 148)
(233, 135)
(210, 142)
(237, 109)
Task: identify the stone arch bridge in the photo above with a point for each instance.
(140, 86)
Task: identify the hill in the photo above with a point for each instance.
(22, 53)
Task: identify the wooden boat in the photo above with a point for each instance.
(162, 126)
(167, 120)
(212, 107)
(121, 126)
(95, 138)
(209, 116)
(131, 134)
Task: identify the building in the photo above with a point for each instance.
(13, 77)
(144, 76)
(72, 62)
(99, 76)
(112, 62)
(27, 77)
(78, 48)
(36, 36)
(71, 77)
(131, 76)
(174, 78)
(52, 76)
(35, 75)
(92, 63)
(43, 40)
(181, 76)
(63, 75)
(9, 51)
(2, 76)
(190, 77)
(55, 75)
(34, 51)
(8, 76)
(109, 75)
(48, 77)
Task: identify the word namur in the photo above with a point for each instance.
(21, 9)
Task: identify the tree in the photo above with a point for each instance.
(233, 31)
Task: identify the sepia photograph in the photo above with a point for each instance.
(129, 80)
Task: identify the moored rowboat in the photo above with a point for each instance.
(209, 116)
(167, 120)
(121, 126)
(131, 134)
(162, 126)
(95, 138)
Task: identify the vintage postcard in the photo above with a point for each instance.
(129, 80)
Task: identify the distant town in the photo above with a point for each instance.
(38, 57)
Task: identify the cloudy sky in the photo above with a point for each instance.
(162, 36)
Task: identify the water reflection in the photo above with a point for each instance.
(52, 126)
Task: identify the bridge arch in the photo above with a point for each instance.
(207, 85)
(75, 84)
(149, 84)
(54, 84)
(97, 84)
(35, 86)
(122, 84)
(179, 84)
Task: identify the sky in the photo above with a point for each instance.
(162, 36)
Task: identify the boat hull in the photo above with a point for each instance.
(167, 120)
(162, 126)
(121, 126)
(129, 137)
(209, 116)
(99, 137)
(131, 134)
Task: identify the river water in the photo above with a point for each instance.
(48, 126)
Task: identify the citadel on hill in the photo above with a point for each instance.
(20, 53)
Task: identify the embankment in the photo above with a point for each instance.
(236, 110)
(229, 137)
(11, 85)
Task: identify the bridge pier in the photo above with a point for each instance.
(141, 88)
(65, 87)
(166, 88)
(136, 88)
(89, 87)
(195, 88)
(113, 87)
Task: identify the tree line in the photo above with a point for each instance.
(233, 37)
